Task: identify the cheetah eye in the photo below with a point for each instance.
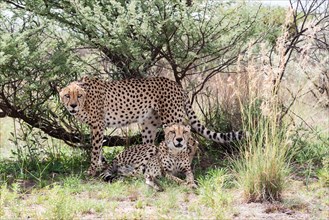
(172, 132)
(67, 96)
(79, 96)
(185, 132)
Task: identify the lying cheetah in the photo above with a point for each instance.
(150, 102)
(172, 156)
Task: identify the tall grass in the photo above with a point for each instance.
(263, 165)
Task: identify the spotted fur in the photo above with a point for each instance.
(174, 155)
(150, 102)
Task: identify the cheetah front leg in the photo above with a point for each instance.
(190, 179)
(174, 178)
(97, 142)
(153, 182)
(152, 171)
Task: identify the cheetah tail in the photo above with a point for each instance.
(110, 172)
(205, 132)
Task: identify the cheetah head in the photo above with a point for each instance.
(177, 136)
(73, 97)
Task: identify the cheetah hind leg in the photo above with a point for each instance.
(149, 128)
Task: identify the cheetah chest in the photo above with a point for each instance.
(174, 164)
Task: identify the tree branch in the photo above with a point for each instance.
(3, 114)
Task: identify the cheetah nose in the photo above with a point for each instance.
(73, 105)
(179, 139)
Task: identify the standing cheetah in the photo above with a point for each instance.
(150, 102)
(172, 156)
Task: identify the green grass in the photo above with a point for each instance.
(52, 184)
(72, 198)
(56, 187)
(213, 192)
(312, 158)
(323, 172)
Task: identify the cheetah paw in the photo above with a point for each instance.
(91, 172)
(192, 185)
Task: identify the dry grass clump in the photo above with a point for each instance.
(263, 164)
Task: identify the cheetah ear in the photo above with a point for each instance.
(54, 86)
(166, 129)
(167, 125)
(61, 93)
(59, 90)
(85, 79)
(81, 84)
